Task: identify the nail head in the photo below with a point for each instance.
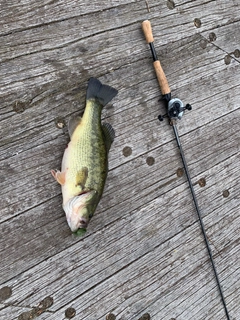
(180, 172)
(197, 23)
(127, 151)
(70, 313)
(150, 161)
(227, 59)
(226, 193)
(212, 36)
(170, 4)
(202, 182)
(5, 293)
(110, 316)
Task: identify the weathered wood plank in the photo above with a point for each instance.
(129, 231)
(43, 218)
(142, 125)
(30, 14)
(200, 78)
(139, 224)
(12, 312)
(144, 251)
(84, 43)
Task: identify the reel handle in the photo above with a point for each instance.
(162, 79)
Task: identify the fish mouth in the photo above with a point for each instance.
(83, 223)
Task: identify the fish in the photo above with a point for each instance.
(84, 165)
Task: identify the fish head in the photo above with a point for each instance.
(79, 210)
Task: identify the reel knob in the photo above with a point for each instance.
(188, 107)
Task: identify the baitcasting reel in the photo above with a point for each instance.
(175, 109)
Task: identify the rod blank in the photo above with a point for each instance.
(165, 90)
(200, 218)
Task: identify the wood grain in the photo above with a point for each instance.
(143, 251)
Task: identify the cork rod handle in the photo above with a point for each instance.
(147, 30)
(162, 80)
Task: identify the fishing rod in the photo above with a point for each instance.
(175, 111)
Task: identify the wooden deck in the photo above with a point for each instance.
(144, 250)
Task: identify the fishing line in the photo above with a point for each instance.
(175, 111)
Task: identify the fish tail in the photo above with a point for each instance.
(103, 93)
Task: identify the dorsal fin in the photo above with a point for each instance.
(73, 122)
(103, 93)
(109, 134)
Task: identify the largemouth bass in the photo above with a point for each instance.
(85, 160)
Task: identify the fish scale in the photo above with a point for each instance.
(90, 149)
(85, 164)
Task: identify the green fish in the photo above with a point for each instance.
(85, 160)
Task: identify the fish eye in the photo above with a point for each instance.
(90, 215)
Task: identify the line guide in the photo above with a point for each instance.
(175, 111)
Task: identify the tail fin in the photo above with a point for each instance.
(100, 91)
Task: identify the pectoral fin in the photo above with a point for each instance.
(81, 177)
(58, 176)
(73, 122)
(109, 135)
